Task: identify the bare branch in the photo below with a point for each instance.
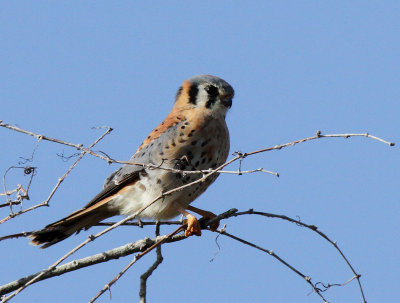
(47, 138)
(135, 259)
(60, 180)
(272, 253)
(150, 270)
(318, 135)
(108, 255)
(115, 253)
(315, 229)
(205, 175)
(329, 285)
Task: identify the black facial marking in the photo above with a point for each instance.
(194, 142)
(193, 94)
(158, 181)
(212, 92)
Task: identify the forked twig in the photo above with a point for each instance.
(151, 269)
(135, 259)
(206, 175)
(314, 229)
(60, 180)
(271, 253)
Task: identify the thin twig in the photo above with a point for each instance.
(326, 287)
(273, 254)
(152, 166)
(151, 269)
(141, 224)
(60, 180)
(135, 259)
(19, 198)
(239, 156)
(227, 214)
(112, 254)
(315, 229)
(102, 257)
(318, 135)
(47, 138)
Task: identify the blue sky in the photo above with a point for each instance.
(296, 66)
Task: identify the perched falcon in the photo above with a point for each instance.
(194, 136)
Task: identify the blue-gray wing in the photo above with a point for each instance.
(151, 153)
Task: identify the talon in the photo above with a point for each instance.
(206, 216)
(193, 226)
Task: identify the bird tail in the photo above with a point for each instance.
(62, 229)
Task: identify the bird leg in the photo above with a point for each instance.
(206, 215)
(193, 226)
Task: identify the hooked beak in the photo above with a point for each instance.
(227, 100)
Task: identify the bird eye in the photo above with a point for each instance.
(212, 90)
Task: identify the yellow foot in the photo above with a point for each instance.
(206, 215)
(193, 226)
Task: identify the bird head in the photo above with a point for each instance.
(205, 92)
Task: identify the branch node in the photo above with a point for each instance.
(313, 227)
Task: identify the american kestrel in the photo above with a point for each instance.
(194, 136)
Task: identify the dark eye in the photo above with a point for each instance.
(212, 90)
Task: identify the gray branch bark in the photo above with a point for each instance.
(114, 253)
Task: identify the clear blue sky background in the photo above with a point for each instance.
(297, 67)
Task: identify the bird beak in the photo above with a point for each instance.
(227, 103)
(227, 100)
